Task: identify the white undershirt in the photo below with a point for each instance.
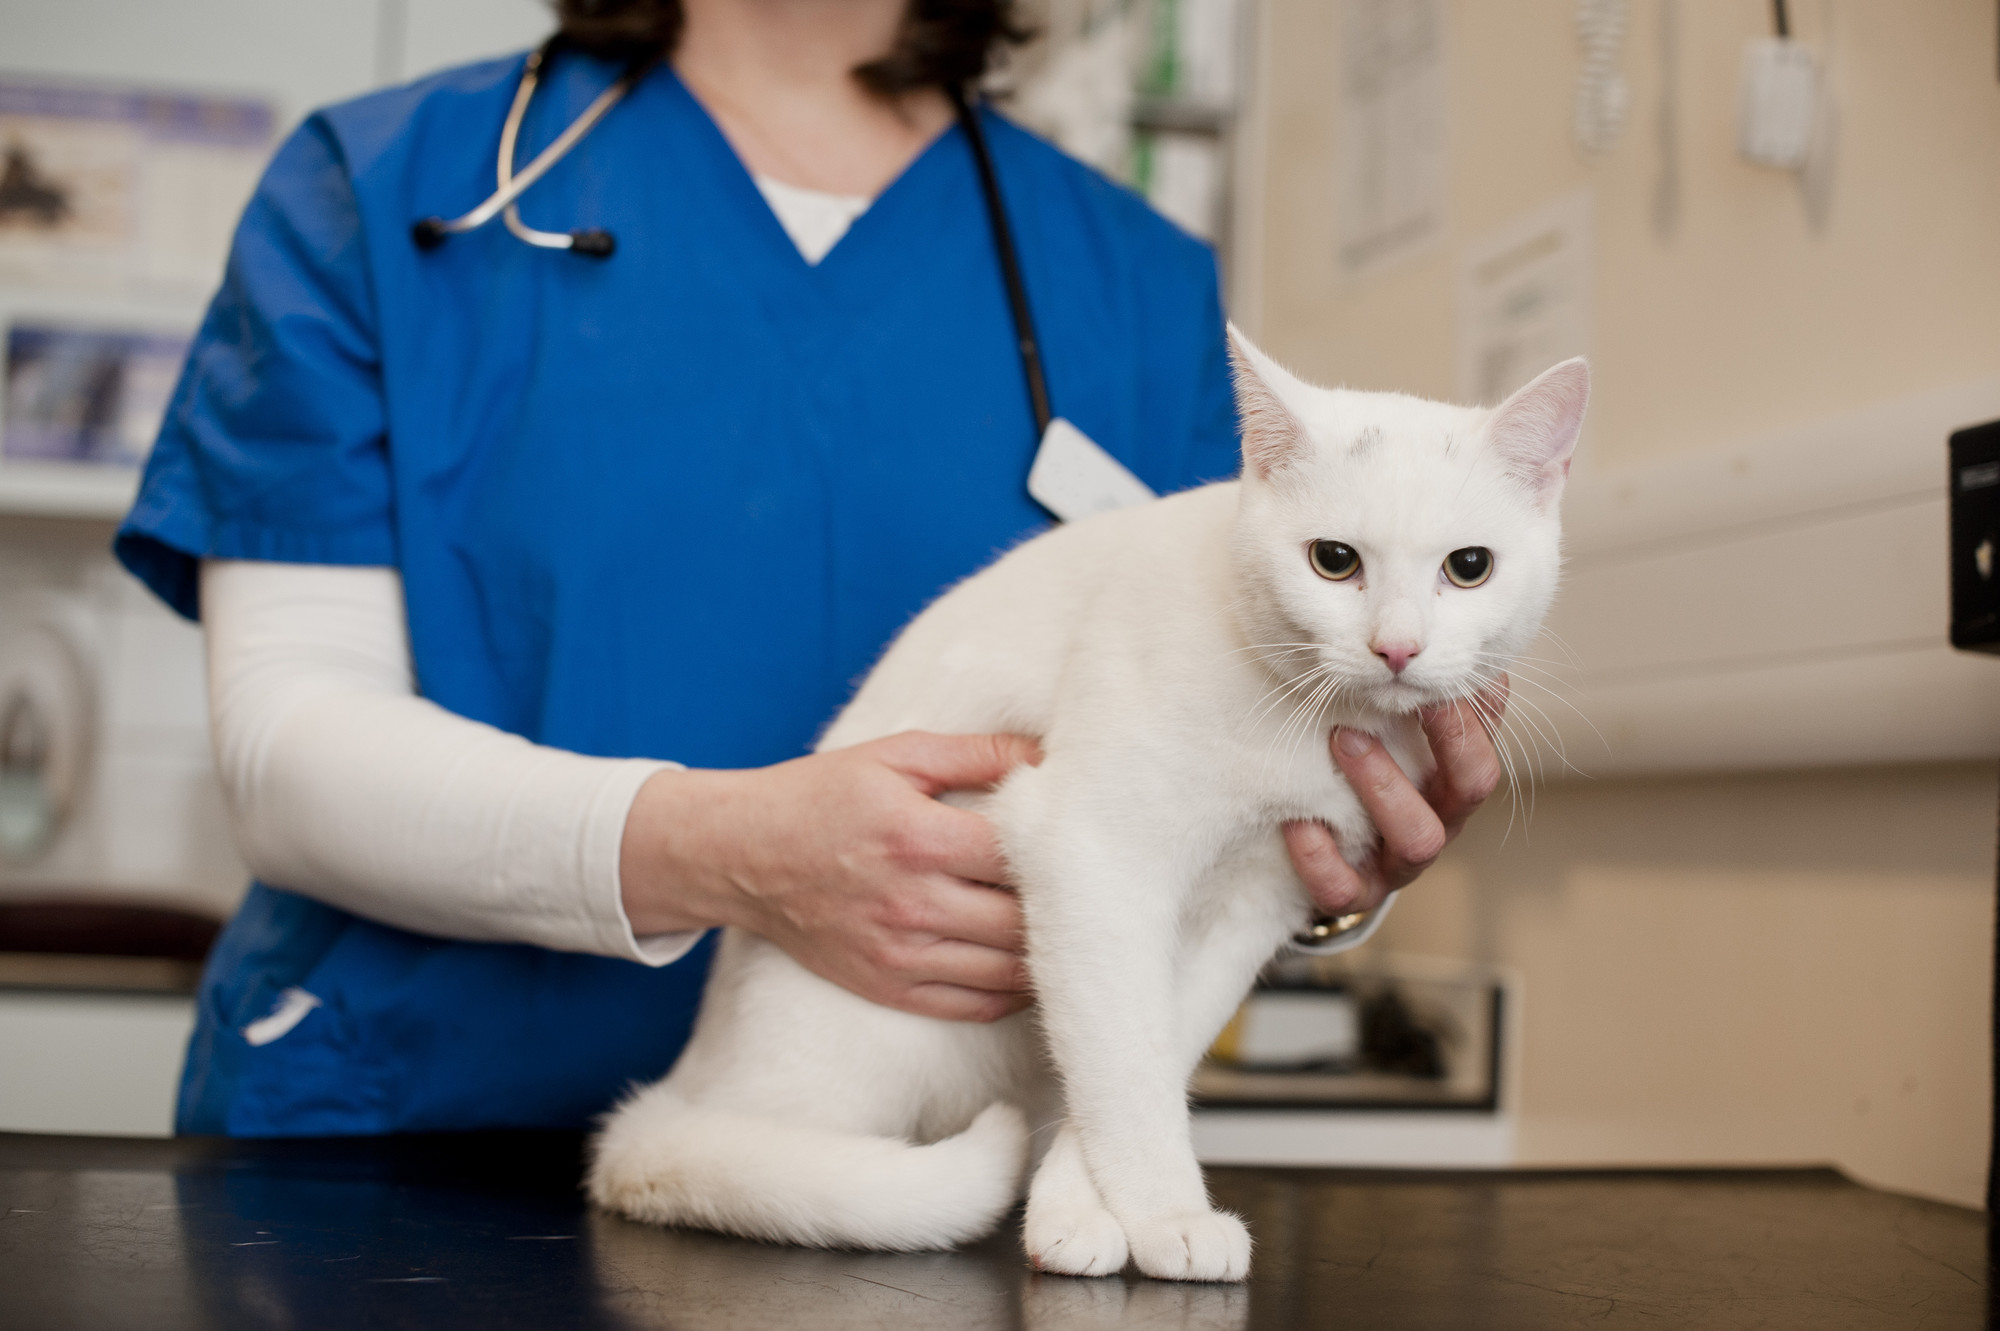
(814, 219)
(345, 785)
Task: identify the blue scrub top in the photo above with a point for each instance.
(672, 504)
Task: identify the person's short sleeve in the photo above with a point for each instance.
(274, 445)
(1191, 436)
(1212, 440)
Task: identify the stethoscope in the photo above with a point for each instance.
(597, 243)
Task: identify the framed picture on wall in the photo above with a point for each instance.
(81, 407)
(132, 191)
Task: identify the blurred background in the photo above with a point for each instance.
(1738, 905)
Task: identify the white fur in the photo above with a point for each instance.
(1182, 663)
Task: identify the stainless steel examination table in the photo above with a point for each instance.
(489, 1231)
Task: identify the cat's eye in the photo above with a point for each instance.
(1469, 567)
(1336, 561)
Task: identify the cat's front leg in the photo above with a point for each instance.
(1102, 916)
(1068, 1231)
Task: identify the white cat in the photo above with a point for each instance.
(1182, 662)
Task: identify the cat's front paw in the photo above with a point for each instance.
(1074, 1239)
(1191, 1245)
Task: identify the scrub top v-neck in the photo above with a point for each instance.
(672, 504)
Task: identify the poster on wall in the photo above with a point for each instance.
(82, 396)
(123, 191)
(1391, 172)
(1525, 293)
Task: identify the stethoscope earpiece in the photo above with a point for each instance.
(592, 243)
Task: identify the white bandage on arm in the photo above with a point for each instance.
(346, 786)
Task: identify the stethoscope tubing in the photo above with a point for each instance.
(1010, 262)
(510, 134)
(431, 232)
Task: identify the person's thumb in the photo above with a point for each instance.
(937, 763)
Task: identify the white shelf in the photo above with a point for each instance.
(103, 1063)
(66, 490)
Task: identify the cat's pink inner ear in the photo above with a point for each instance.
(1536, 429)
(1272, 436)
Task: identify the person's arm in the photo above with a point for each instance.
(847, 861)
(346, 786)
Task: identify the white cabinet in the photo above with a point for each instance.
(102, 1063)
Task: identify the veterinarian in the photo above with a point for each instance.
(490, 527)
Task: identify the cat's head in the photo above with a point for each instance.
(1407, 548)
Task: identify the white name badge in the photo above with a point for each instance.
(1073, 478)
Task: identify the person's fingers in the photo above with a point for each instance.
(1412, 833)
(1468, 765)
(1336, 887)
(967, 966)
(940, 906)
(973, 913)
(937, 763)
(958, 842)
(931, 837)
(949, 1002)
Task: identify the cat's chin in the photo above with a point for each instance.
(1399, 697)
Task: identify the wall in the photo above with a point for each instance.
(1761, 968)
(1779, 966)
(301, 53)
(1744, 318)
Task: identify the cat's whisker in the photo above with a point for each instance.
(1556, 741)
(1301, 717)
(1317, 726)
(1313, 713)
(1549, 737)
(1552, 670)
(1516, 760)
(1523, 671)
(1280, 690)
(1293, 642)
(1548, 661)
(1307, 715)
(1278, 663)
(1550, 689)
(1285, 691)
(1482, 710)
(1527, 681)
(1563, 643)
(1506, 660)
(1513, 719)
(1524, 793)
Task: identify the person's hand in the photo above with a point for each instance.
(846, 861)
(1415, 825)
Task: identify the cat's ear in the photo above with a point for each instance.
(1535, 430)
(1272, 436)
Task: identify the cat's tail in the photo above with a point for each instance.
(665, 1160)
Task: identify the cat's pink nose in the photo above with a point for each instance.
(1397, 654)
